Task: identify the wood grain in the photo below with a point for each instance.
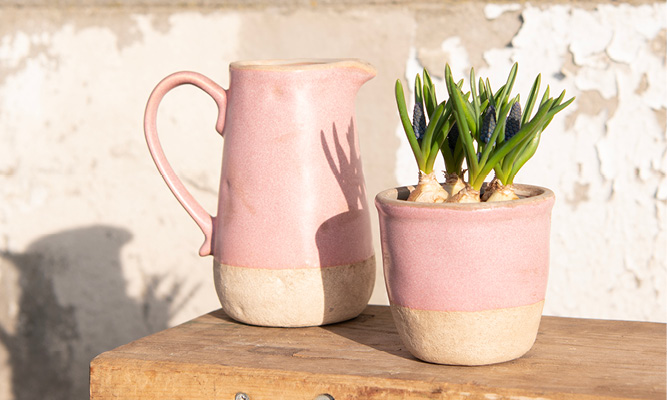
(213, 357)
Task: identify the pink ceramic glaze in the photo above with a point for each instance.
(292, 191)
(466, 257)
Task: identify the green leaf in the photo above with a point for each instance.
(407, 124)
(476, 103)
(545, 96)
(436, 145)
(527, 152)
(419, 95)
(448, 157)
(489, 92)
(429, 87)
(500, 174)
(471, 117)
(428, 136)
(507, 87)
(532, 97)
(556, 109)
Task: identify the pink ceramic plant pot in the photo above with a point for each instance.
(466, 282)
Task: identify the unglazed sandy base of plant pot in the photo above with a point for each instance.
(294, 297)
(468, 338)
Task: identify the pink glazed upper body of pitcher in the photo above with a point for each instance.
(292, 239)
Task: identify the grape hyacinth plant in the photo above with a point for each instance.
(426, 138)
(486, 128)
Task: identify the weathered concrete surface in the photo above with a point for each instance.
(94, 250)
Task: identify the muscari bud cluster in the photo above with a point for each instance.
(419, 121)
(513, 123)
(453, 137)
(488, 125)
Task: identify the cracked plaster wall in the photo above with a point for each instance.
(95, 252)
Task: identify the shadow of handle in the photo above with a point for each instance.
(196, 211)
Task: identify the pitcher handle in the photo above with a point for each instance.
(196, 211)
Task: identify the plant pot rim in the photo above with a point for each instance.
(528, 195)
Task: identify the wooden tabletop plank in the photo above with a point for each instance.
(215, 357)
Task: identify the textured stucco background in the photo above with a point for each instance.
(95, 251)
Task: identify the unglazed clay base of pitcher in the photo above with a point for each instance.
(294, 297)
(468, 337)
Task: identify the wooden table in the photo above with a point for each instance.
(213, 357)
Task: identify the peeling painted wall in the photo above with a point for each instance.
(604, 156)
(95, 252)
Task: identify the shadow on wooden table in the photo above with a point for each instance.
(372, 329)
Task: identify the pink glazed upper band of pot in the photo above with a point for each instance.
(455, 257)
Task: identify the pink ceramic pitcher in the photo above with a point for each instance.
(291, 241)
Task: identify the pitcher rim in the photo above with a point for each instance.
(302, 64)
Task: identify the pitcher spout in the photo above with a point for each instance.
(362, 70)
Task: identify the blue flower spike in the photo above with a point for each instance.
(513, 124)
(419, 121)
(488, 125)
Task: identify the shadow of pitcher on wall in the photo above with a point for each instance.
(291, 241)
